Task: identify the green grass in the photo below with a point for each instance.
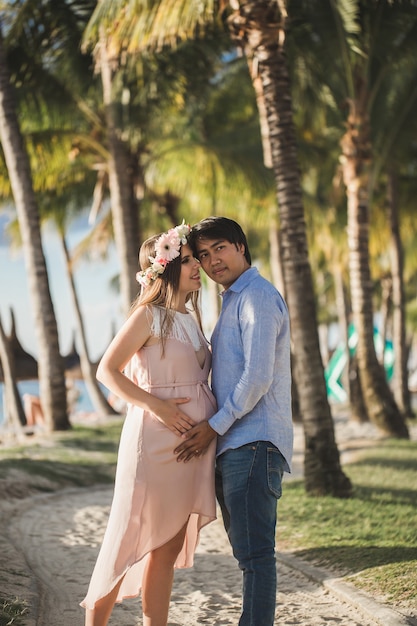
(80, 457)
(12, 612)
(370, 538)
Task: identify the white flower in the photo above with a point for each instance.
(157, 266)
(183, 231)
(143, 279)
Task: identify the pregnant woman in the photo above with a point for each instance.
(158, 363)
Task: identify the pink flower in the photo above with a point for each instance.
(167, 247)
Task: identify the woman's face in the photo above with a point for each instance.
(190, 271)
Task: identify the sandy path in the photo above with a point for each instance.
(60, 537)
(49, 544)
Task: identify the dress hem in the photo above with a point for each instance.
(84, 605)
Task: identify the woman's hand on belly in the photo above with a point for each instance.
(169, 413)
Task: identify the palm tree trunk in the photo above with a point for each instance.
(259, 28)
(100, 404)
(342, 316)
(400, 378)
(385, 311)
(379, 401)
(278, 281)
(51, 366)
(351, 380)
(275, 256)
(121, 181)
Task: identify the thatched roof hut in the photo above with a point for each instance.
(26, 366)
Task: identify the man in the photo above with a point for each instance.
(251, 380)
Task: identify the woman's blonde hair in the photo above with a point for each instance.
(163, 290)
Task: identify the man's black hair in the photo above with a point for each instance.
(213, 228)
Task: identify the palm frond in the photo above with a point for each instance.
(139, 25)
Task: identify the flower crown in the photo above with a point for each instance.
(167, 248)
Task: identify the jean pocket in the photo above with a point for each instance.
(275, 463)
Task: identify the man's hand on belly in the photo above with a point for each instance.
(197, 440)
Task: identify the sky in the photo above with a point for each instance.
(100, 305)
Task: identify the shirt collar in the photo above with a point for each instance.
(243, 281)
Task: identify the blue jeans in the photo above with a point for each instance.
(248, 485)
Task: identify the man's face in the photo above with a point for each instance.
(222, 261)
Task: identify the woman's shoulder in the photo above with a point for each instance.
(147, 310)
(146, 320)
(144, 315)
(155, 315)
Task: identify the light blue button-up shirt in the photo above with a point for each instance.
(251, 373)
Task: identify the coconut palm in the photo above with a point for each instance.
(51, 367)
(398, 295)
(99, 402)
(61, 209)
(361, 47)
(387, 266)
(394, 153)
(170, 134)
(122, 174)
(134, 127)
(144, 108)
(43, 49)
(259, 27)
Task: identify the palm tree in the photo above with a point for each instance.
(400, 377)
(265, 48)
(51, 367)
(175, 134)
(99, 402)
(372, 73)
(95, 144)
(393, 150)
(122, 173)
(139, 99)
(358, 47)
(259, 26)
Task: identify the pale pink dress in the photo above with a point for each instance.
(155, 495)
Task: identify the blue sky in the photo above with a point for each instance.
(100, 305)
